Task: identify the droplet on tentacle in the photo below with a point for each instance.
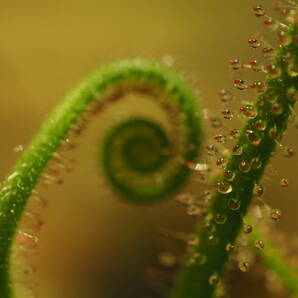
(240, 84)
(276, 109)
(244, 166)
(224, 95)
(247, 229)
(256, 163)
(258, 190)
(221, 162)
(229, 175)
(211, 150)
(230, 247)
(235, 64)
(249, 111)
(214, 280)
(220, 218)
(276, 214)
(260, 125)
(220, 138)
(274, 134)
(289, 152)
(259, 244)
(258, 86)
(223, 187)
(267, 51)
(212, 239)
(259, 11)
(284, 182)
(227, 114)
(237, 149)
(244, 266)
(234, 204)
(254, 43)
(198, 258)
(255, 66)
(234, 133)
(273, 70)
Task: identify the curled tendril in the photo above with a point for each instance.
(141, 161)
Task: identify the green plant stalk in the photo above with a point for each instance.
(275, 262)
(194, 279)
(21, 182)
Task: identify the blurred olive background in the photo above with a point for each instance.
(93, 244)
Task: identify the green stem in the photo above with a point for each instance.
(224, 223)
(277, 263)
(117, 78)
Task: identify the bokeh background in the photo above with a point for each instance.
(93, 244)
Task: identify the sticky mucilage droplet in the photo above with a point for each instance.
(276, 214)
(230, 247)
(259, 11)
(247, 229)
(254, 43)
(229, 175)
(211, 150)
(214, 280)
(244, 266)
(244, 166)
(234, 204)
(224, 95)
(240, 84)
(220, 218)
(223, 187)
(258, 190)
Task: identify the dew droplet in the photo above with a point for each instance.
(221, 162)
(276, 214)
(214, 280)
(255, 66)
(229, 175)
(228, 114)
(273, 133)
(220, 138)
(220, 218)
(258, 86)
(215, 122)
(260, 125)
(258, 190)
(234, 204)
(211, 150)
(249, 111)
(270, 24)
(289, 152)
(247, 229)
(276, 109)
(273, 70)
(284, 182)
(230, 247)
(254, 43)
(235, 64)
(244, 166)
(237, 149)
(240, 84)
(267, 51)
(244, 266)
(224, 95)
(212, 239)
(258, 11)
(234, 133)
(259, 244)
(223, 187)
